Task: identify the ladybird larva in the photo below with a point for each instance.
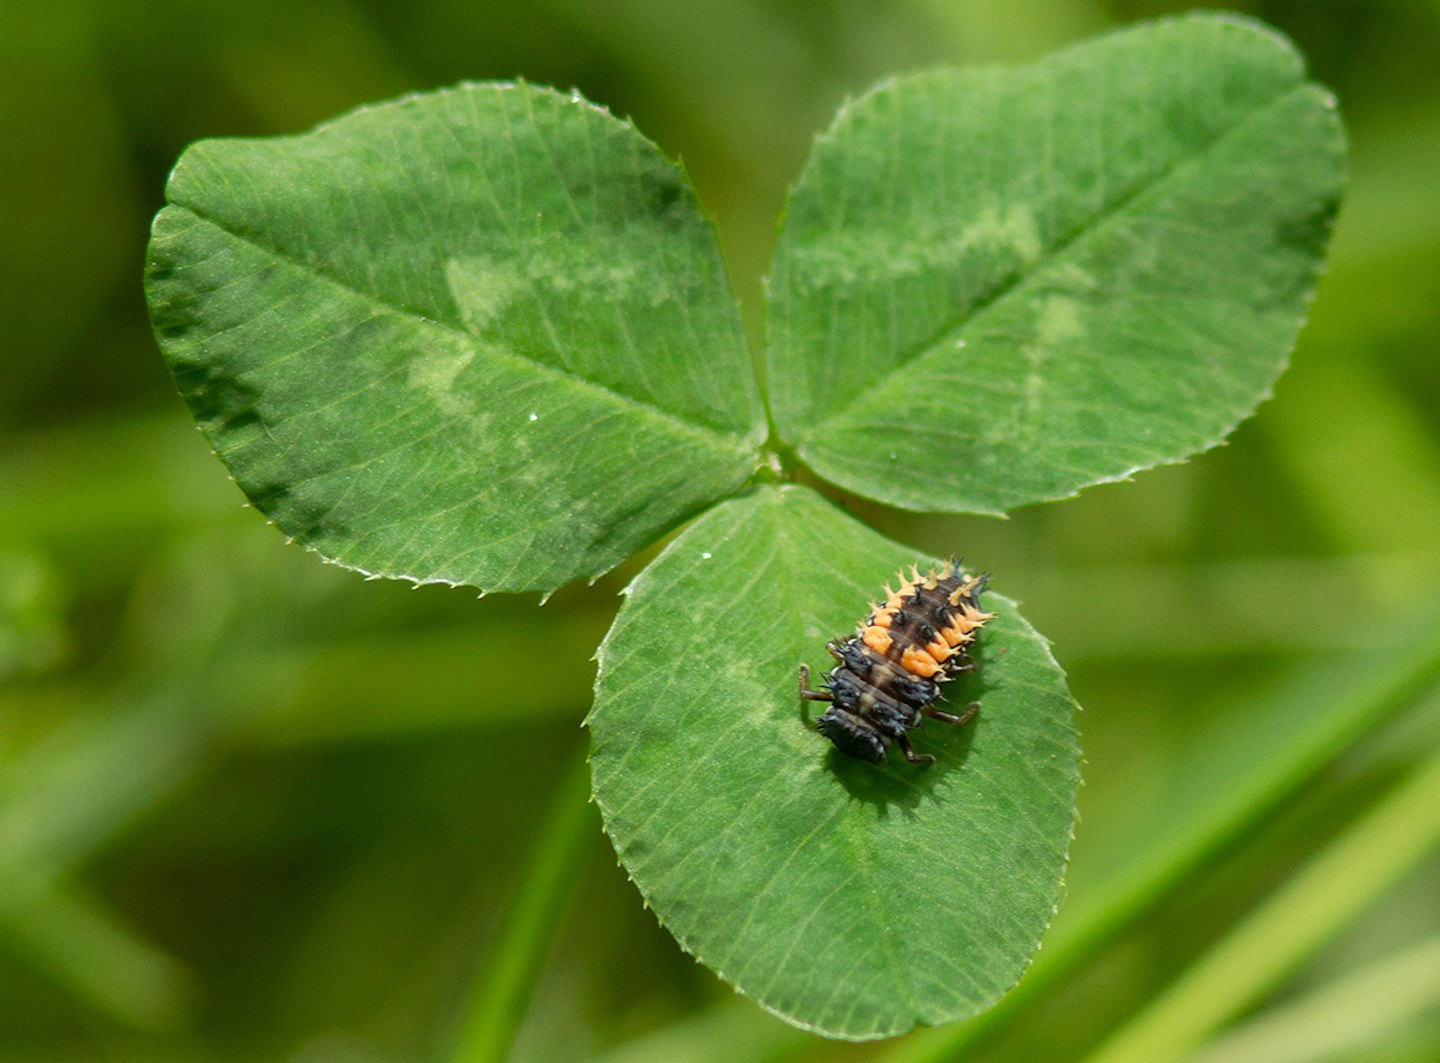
(889, 672)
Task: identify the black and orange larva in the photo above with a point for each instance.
(890, 670)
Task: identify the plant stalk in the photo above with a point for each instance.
(502, 990)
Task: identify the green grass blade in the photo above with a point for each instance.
(502, 992)
(103, 962)
(1303, 914)
(1340, 1019)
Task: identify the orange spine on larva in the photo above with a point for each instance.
(877, 638)
(920, 631)
(918, 662)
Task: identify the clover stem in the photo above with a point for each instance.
(503, 987)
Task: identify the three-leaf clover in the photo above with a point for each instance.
(484, 336)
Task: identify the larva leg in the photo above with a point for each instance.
(910, 754)
(959, 721)
(806, 694)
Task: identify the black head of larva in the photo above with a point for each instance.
(888, 673)
(852, 735)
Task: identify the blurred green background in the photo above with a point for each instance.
(253, 807)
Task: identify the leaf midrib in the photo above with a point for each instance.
(1017, 282)
(721, 440)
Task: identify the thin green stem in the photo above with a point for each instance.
(502, 990)
(1343, 1018)
(89, 949)
(1299, 917)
